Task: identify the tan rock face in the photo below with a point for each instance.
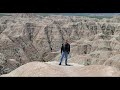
(52, 69)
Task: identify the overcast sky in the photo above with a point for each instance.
(76, 14)
(86, 14)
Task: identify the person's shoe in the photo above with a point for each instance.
(60, 64)
(66, 64)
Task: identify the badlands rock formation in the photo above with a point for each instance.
(27, 37)
(52, 69)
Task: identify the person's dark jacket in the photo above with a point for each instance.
(66, 48)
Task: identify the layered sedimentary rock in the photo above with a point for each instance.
(27, 37)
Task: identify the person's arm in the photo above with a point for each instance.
(61, 49)
(69, 49)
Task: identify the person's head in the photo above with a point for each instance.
(66, 41)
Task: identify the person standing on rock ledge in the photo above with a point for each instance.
(65, 50)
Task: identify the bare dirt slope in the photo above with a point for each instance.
(52, 69)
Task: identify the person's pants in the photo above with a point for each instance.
(64, 54)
